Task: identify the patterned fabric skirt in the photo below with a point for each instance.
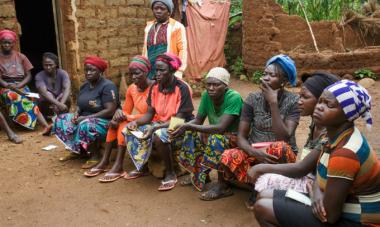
(21, 109)
(78, 137)
(280, 182)
(140, 150)
(238, 162)
(198, 156)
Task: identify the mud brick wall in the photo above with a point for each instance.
(112, 29)
(8, 18)
(268, 30)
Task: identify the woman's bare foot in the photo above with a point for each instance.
(14, 138)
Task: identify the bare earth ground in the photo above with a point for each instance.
(38, 190)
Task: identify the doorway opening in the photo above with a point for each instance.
(38, 31)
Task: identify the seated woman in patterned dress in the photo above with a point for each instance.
(135, 99)
(311, 89)
(267, 116)
(346, 191)
(98, 99)
(168, 97)
(203, 145)
(14, 77)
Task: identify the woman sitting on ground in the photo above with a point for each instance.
(203, 144)
(135, 98)
(97, 101)
(346, 191)
(14, 77)
(267, 116)
(53, 85)
(311, 89)
(168, 97)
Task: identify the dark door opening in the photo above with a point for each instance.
(38, 31)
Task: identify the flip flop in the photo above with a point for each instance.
(93, 172)
(211, 194)
(69, 156)
(167, 185)
(89, 164)
(47, 130)
(113, 177)
(134, 174)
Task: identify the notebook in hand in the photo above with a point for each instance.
(137, 133)
(290, 193)
(174, 121)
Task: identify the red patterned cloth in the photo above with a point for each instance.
(239, 162)
(8, 34)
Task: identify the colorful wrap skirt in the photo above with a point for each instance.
(21, 109)
(78, 137)
(239, 162)
(140, 150)
(198, 156)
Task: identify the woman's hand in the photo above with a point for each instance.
(62, 107)
(132, 125)
(263, 157)
(254, 173)
(80, 119)
(119, 116)
(270, 95)
(317, 206)
(148, 133)
(113, 124)
(178, 130)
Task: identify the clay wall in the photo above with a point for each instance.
(112, 29)
(268, 30)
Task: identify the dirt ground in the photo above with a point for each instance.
(38, 190)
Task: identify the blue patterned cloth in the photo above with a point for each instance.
(288, 65)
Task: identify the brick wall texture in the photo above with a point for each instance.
(268, 30)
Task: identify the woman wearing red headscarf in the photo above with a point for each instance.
(97, 101)
(135, 99)
(14, 77)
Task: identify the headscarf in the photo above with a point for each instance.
(141, 63)
(288, 65)
(219, 73)
(318, 81)
(8, 34)
(354, 100)
(169, 4)
(96, 61)
(170, 59)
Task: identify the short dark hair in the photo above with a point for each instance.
(51, 56)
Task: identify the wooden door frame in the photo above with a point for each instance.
(59, 34)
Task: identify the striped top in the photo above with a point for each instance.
(350, 157)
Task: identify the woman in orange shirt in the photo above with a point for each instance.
(136, 97)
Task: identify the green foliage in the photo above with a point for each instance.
(365, 73)
(238, 67)
(317, 10)
(235, 6)
(237, 18)
(256, 76)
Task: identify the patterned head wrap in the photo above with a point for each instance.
(169, 4)
(354, 100)
(288, 65)
(219, 73)
(170, 59)
(141, 63)
(8, 34)
(96, 61)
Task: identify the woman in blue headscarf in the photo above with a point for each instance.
(269, 115)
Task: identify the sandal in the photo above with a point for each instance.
(69, 156)
(90, 163)
(135, 174)
(93, 172)
(215, 193)
(111, 177)
(167, 185)
(15, 139)
(47, 130)
(250, 203)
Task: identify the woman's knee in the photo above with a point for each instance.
(262, 208)
(266, 194)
